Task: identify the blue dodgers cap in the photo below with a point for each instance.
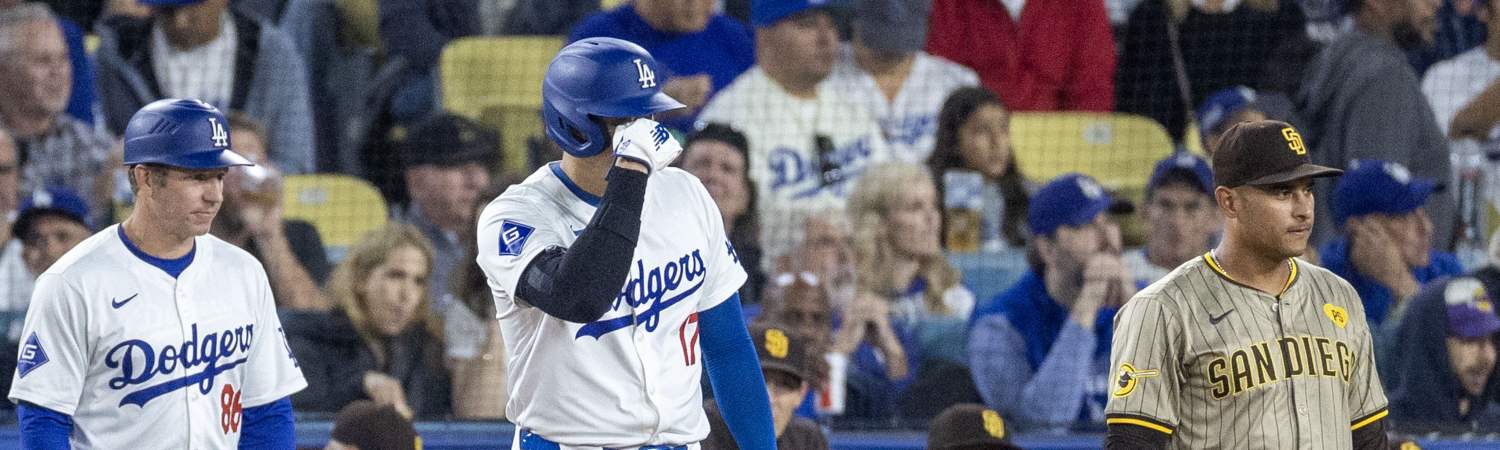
(1221, 105)
(1194, 165)
(51, 200)
(1374, 186)
(764, 13)
(1071, 199)
(1471, 312)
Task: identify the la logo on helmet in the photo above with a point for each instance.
(220, 137)
(647, 77)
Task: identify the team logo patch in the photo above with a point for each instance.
(660, 134)
(993, 424)
(776, 343)
(1336, 314)
(513, 237)
(1294, 141)
(1129, 377)
(32, 356)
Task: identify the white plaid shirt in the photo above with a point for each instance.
(205, 72)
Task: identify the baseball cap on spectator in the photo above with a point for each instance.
(447, 139)
(56, 201)
(781, 349)
(1373, 186)
(892, 25)
(1193, 166)
(764, 13)
(1221, 106)
(1264, 152)
(1471, 312)
(373, 426)
(968, 425)
(1071, 199)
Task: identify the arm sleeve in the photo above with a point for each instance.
(1048, 396)
(53, 350)
(269, 426)
(734, 371)
(42, 428)
(529, 264)
(274, 372)
(1146, 378)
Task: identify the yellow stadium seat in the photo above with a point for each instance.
(479, 72)
(343, 208)
(1119, 150)
(359, 23)
(517, 124)
(605, 5)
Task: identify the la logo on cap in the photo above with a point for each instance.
(993, 424)
(1294, 141)
(1090, 189)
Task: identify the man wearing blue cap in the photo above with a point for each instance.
(1039, 351)
(205, 49)
(153, 333)
(51, 221)
(1180, 217)
(1442, 366)
(1385, 248)
(809, 141)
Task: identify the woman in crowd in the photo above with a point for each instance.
(973, 150)
(718, 155)
(380, 343)
(476, 353)
(909, 308)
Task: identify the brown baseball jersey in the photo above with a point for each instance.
(1214, 363)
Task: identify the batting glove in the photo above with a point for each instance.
(646, 142)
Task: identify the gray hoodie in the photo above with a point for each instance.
(1359, 99)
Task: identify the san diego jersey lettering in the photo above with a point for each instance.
(142, 360)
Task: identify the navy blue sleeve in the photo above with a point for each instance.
(579, 284)
(42, 428)
(734, 372)
(268, 426)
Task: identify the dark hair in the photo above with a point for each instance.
(746, 227)
(469, 285)
(946, 155)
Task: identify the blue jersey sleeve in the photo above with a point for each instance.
(269, 426)
(734, 372)
(42, 428)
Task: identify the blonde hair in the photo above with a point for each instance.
(371, 251)
(869, 207)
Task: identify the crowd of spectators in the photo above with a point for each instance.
(852, 147)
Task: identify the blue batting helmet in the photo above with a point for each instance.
(599, 77)
(173, 132)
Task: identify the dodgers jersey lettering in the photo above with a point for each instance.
(630, 378)
(1217, 364)
(142, 360)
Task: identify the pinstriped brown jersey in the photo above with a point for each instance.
(1217, 364)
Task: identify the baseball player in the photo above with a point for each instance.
(612, 278)
(151, 333)
(1249, 346)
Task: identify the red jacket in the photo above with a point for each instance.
(1060, 57)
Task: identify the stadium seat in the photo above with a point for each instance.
(343, 208)
(1119, 150)
(498, 81)
(359, 23)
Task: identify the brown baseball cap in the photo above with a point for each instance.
(781, 349)
(1264, 152)
(373, 426)
(969, 425)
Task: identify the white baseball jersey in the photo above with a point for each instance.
(785, 160)
(909, 122)
(632, 377)
(142, 360)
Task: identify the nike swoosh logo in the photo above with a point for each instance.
(1215, 320)
(118, 303)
